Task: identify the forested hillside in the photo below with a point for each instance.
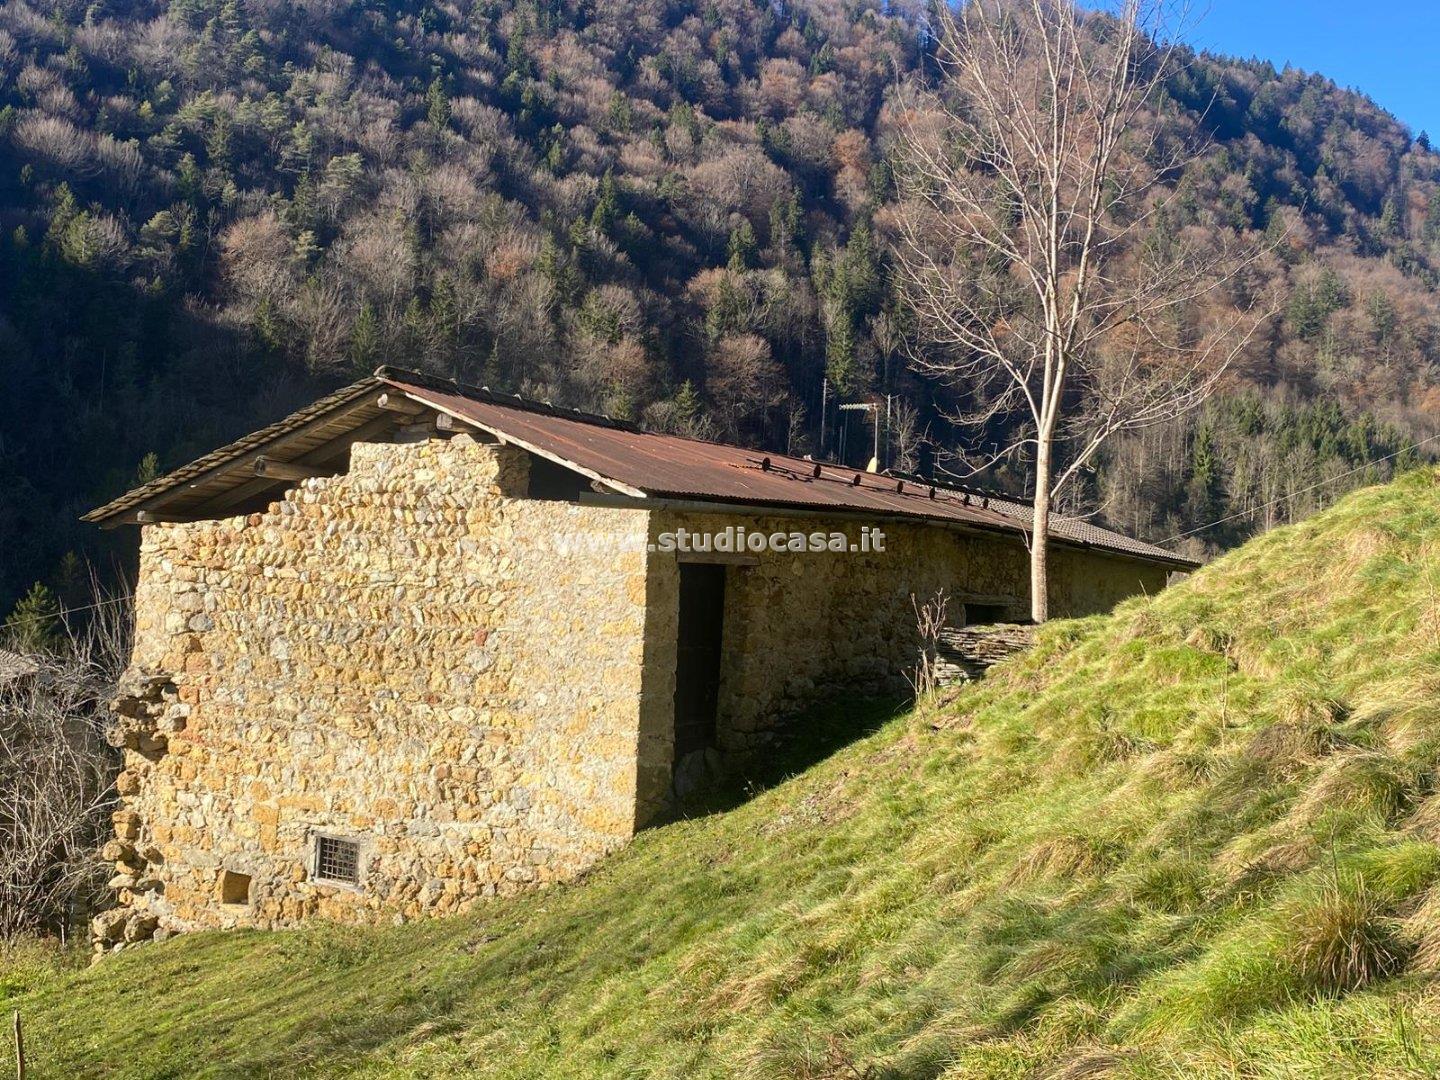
(674, 211)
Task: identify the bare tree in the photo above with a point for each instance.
(56, 773)
(1035, 180)
(929, 622)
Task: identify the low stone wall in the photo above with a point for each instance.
(965, 653)
(407, 655)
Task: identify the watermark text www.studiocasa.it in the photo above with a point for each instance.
(736, 539)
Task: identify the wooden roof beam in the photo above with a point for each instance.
(399, 403)
(147, 517)
(246, 461)
(286, 470)
(226, 499)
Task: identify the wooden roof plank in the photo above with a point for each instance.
(259, 484)
(241, 452)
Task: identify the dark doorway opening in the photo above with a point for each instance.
(697, 660)
(984, 614)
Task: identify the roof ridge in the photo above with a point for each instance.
(407, 376)
(390, 373)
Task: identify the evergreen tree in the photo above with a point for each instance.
(688, 405)
(727, 315)
(741, 247)
(33, 625)
(1383, 318)
(437, 104)
(559, 269)
(786, 232)
(1390, 220)
(620, 113)
(365, 339)
(607, 205)
(148, 469)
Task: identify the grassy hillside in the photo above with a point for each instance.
(1195, 837)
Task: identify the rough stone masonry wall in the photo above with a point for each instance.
(405, 655)
(802, 626)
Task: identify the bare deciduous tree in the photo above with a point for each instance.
(56, 774)
(1035, 183)
(929, 622)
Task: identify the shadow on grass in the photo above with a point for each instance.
(324, 998)
(808, 738)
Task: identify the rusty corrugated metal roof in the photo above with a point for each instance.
(624, 457)
(671, 466)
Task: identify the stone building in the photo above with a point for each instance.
(419, 644)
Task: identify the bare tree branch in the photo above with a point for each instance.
(56, 774)
(1034, 237)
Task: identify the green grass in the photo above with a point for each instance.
(1194, 838)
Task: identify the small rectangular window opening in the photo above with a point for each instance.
(337, 860)
(234, 888)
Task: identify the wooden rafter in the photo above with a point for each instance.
(324, 452)
(246, 462)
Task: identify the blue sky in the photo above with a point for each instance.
(1387, 49)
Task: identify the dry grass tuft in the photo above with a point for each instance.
(1092, 749)
(1356, 780)
(798, 1054)
(1089, 1064)
(1254, 860)
(1308, 705)
(1361, 544)
(1405, 709)
(1290, 749)
(1421, 930)
(1169, 770)
(1065, 855)
(1342, 938)
(1210, 638)
(1424, 821)
(1142, 625)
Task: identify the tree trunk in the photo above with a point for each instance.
(1040, 537)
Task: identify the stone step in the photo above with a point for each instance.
(965, 653)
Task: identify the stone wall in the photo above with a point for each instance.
(965, 653)
(405, 655)
(803, 625)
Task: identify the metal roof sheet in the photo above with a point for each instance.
(633, 461)
(672, 466)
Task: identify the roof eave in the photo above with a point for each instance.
(670, 500)
(154, 495)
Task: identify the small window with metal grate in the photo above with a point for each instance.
(337, 860)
